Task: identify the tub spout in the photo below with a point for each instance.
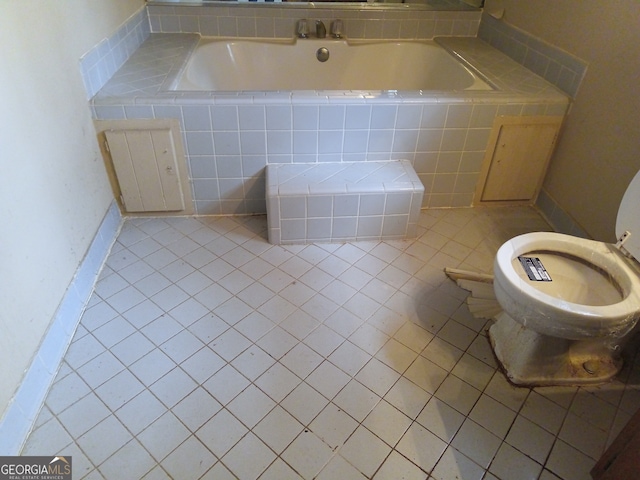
(321, 30)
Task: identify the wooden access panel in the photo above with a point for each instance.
(516, 160)
(149, 166)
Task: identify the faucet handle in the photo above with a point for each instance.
(303, 28)
(336, 28)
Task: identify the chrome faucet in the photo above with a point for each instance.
(303, 28)
(336, 29)
(321, 30)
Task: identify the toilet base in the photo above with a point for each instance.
(530, 359)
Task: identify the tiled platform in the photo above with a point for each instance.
(342, 201)
(206, 352)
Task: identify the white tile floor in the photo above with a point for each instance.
(205, 352)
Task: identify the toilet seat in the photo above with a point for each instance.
(554, 316)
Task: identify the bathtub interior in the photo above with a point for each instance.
(255, 64)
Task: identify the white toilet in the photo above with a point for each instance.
(568, 303)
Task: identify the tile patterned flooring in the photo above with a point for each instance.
(206, 352)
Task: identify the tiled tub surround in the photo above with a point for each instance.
(277, 21)
(102, 61)
(342, 201)
(556, 66)
(271, 20)
(231, 136)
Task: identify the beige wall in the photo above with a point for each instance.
(599, 150)
(54, 191)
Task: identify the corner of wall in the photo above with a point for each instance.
(23, 410)
(559, 220)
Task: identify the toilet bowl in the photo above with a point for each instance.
(568, 303)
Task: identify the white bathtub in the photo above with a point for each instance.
(231, 136)
(226, 64)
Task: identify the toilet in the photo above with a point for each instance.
(568, 303)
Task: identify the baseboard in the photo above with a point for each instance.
(27, 402)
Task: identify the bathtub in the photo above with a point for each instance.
(231, 64)
(232, 132)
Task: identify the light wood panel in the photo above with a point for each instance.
(516, 160)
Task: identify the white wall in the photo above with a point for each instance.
(599, 150)
(54, 190)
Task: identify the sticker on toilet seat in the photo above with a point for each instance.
(534, 269)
